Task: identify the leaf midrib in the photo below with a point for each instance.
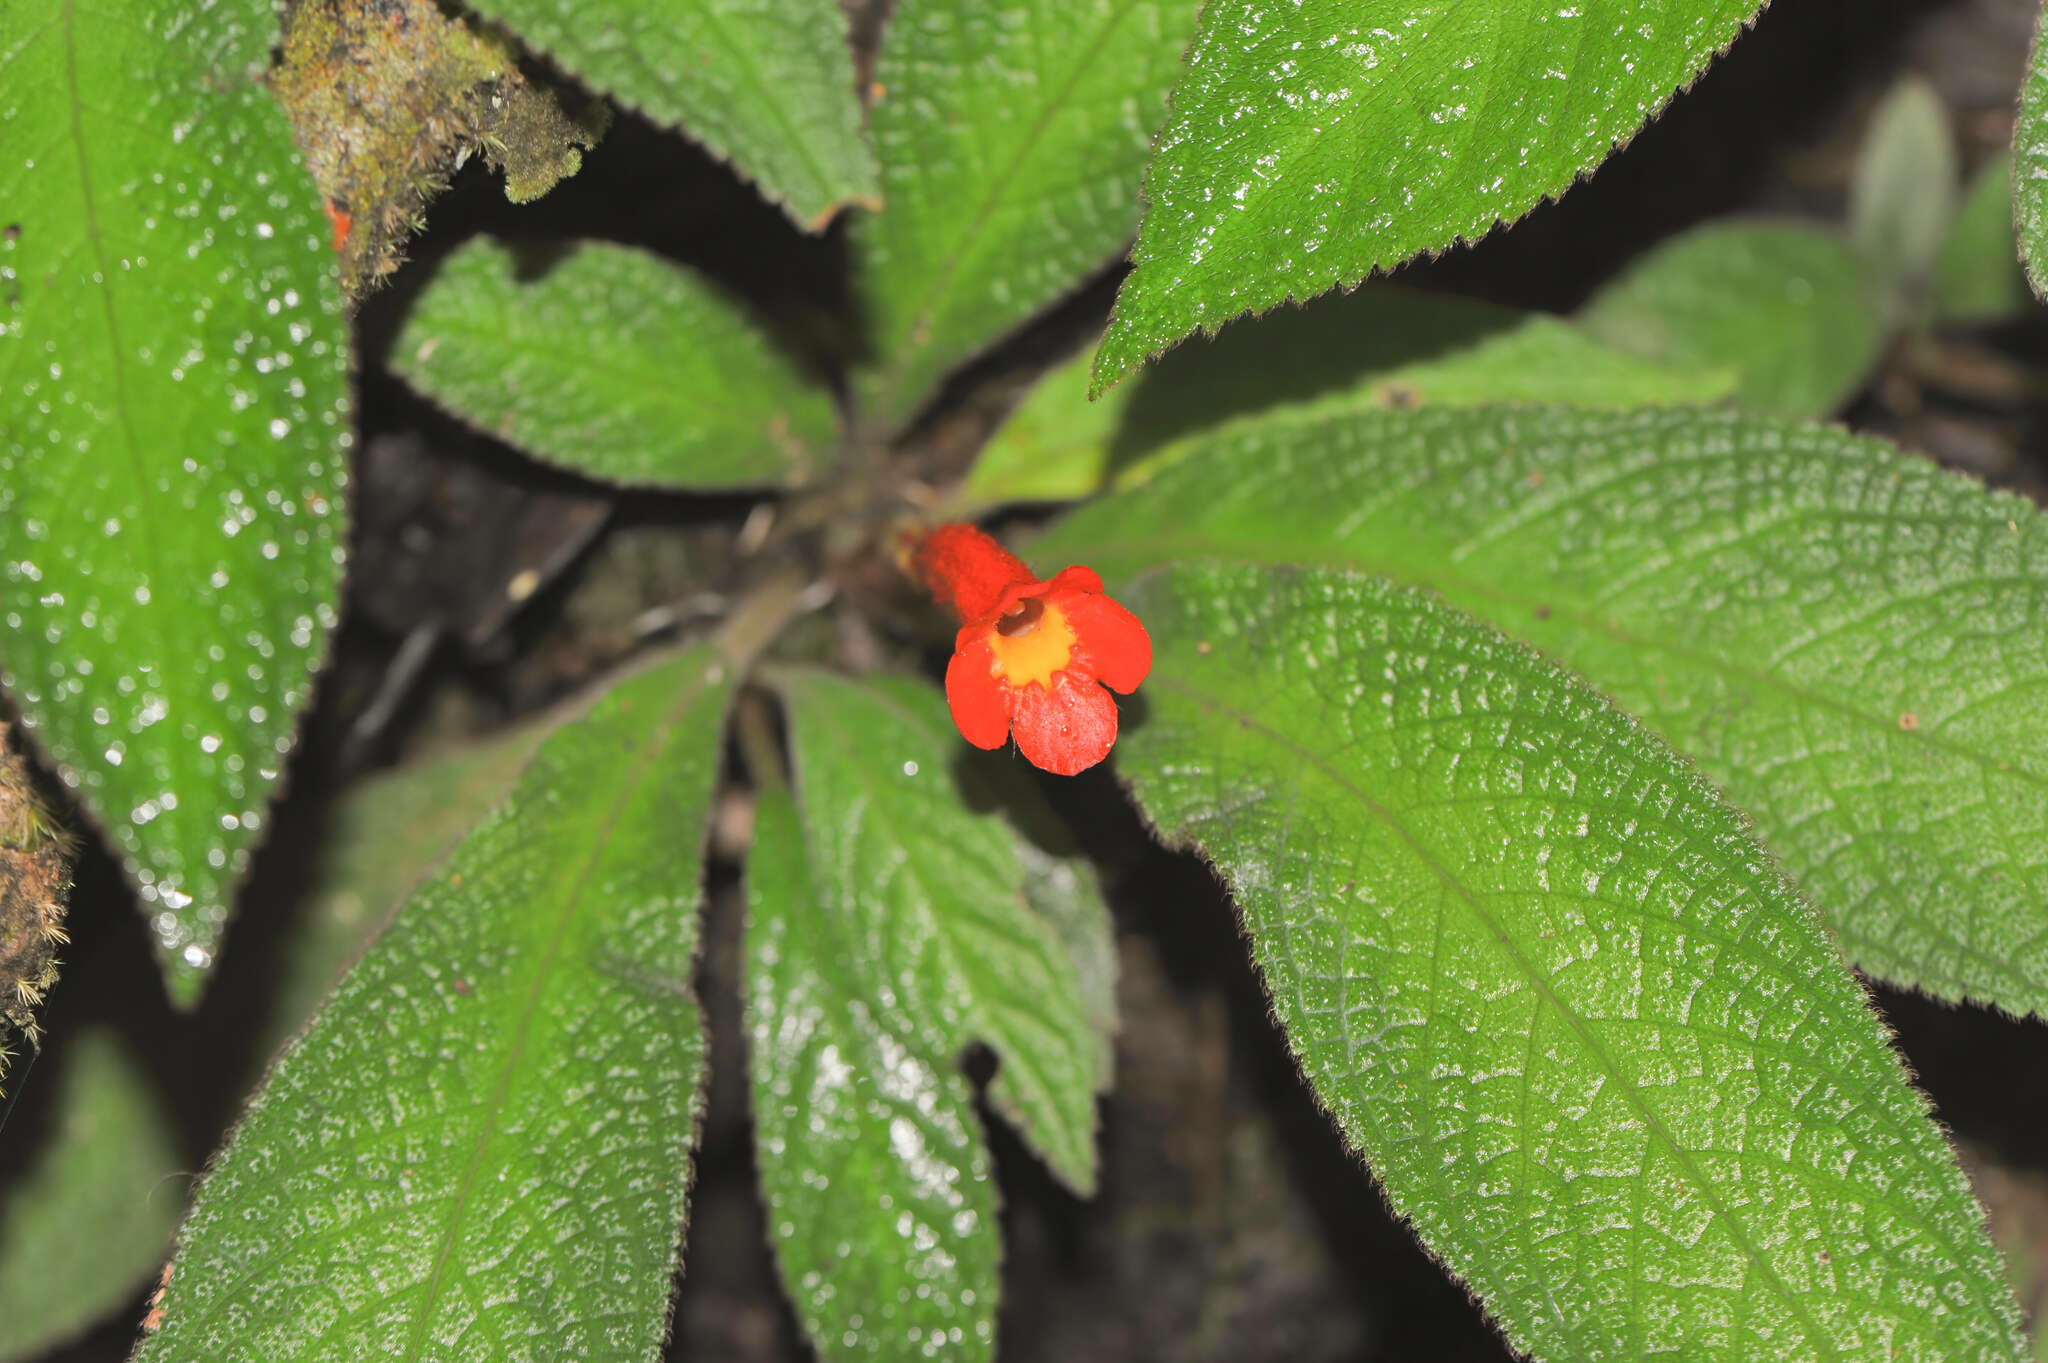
(877, 810)
(1537, 980)
(949, 268)
(191, 925)
(981, 1026)
(577, 882)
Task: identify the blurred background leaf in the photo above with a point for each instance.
(1793, 309)
(1379, 346)
(90, 1219)
(1978, 276)
(1903, 198)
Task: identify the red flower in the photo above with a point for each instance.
(1029, 654)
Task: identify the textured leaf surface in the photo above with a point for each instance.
(1903, 197)
(764, 84)
(2030, 164)
(1312, 144)
(479, 1149)
(1379, 346)
(173, 395)
(1061, 889)
(1793, 310)
(1012, 136)
(1852, 643)
(891, 926)
(1978, 277)
(379, 842)
(87, 1223)
(1590, 1041)
(616, 364)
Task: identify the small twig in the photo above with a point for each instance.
(761, 614)
(754, 530)
(668, 615)
(405, 670)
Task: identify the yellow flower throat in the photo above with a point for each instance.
(1031, 643)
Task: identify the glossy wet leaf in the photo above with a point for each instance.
(616, 364)
(377, 844)
(765, 84)
(480, 1148)
(1792, 309)
(2030, 164)
(1594, 1047)
(1012, 136)
(1849, 641)
(173, 402)
(1978, 277)
(1379, 346)
(1903, 197)
(89, 1219)
(892, 923)
(1311, 145)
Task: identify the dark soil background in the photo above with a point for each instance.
(1232, 1222)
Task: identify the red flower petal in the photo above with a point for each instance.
(1075, 579)
(980, 703)
(1066, 729)
(1109, 641)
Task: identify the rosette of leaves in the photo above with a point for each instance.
(1561, 758)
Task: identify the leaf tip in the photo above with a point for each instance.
(1111, 367)
(868, 201)
(184, 983)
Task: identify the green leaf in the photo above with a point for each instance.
(891, 925)
(480, 1147)
(1903, 198)
(379, 842)
(615, 364)
(88, 1222)
(1013, 135)
(1380, 346)
(173, 403)
(1314, 144)
(1062, 890)
(1849, 641)
(1593, 1045)
(764, 84)
(1792, 309)
(1978, 276)
(2030, 164)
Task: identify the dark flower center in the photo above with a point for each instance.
(1021, 619)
